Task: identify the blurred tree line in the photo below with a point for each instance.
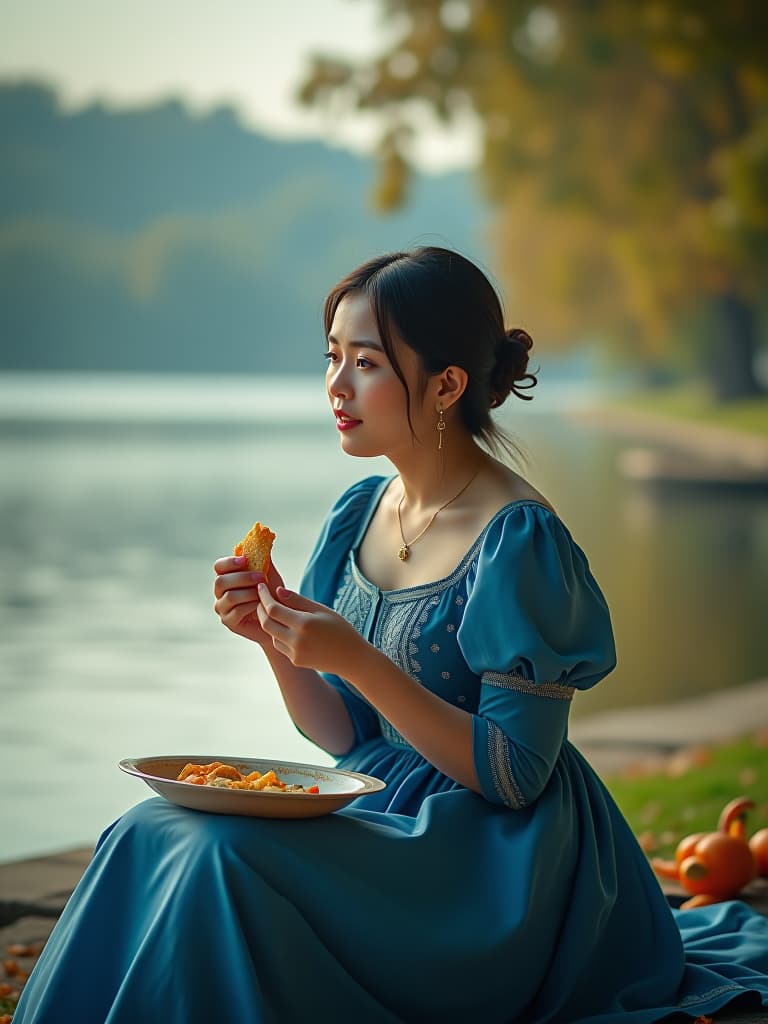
(624, 149)
(157, 239)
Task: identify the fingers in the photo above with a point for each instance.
(235, 563)
(236, 596)
(297, 601)
(282, 648)
(287, 606)
(284, 638)
(229, 564)
(236, 580)
(238, 614)
(274, 579)
(275, 609)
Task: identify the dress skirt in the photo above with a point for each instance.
(418, 904)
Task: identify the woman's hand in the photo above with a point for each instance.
(309, 634)
(237, 596)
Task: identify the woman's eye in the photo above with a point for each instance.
(361, 362)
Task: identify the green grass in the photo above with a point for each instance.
(664, 809)
(7, 1005)
(695, 404)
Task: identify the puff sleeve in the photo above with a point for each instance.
(322, 576)
(536, 627)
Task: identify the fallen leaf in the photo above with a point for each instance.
(25, 949)
(648, 842)
(686, 760)
(650, 812)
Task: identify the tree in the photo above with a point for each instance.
(624, 145)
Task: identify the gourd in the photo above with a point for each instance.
(715, 866)
(758, 844)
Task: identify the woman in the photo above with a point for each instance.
(445, 619)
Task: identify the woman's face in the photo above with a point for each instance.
(366, 394)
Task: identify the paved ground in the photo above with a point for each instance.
(614, 740)
(34, 891)
(696, 438)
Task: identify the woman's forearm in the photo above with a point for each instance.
(439, 731)
(305, 633)
(315, 707)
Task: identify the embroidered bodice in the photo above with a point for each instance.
(507, 636)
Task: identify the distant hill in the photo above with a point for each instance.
(156, 239)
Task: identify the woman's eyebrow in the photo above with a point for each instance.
(358, 343)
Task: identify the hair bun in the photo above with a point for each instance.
(511, 367)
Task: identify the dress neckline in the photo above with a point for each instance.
(432, 586)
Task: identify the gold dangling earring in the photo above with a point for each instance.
(440, 429)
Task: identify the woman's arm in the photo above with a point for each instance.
(315, 706)
(310, 636)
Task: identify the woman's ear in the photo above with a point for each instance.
(450, 385)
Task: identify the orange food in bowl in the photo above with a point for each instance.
(227, 776)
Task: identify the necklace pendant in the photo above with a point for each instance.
(404, 553)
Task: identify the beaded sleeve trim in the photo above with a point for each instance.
(504, 781)
(514, 681)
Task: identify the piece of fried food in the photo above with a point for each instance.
(256, 545)
(226, 776)
(197, 769)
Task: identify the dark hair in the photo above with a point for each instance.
(445, 308)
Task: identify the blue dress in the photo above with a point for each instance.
(425, 902)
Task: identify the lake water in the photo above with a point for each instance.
(118, 492)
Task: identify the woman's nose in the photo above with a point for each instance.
(338, 382)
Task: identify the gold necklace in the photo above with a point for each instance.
(404, 552)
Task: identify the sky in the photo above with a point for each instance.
(248, 53)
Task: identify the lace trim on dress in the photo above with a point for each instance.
(504, 781)
(514, 681)
(353, 603)
(408, 594)
(361, 581)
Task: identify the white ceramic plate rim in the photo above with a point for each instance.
(365, 783)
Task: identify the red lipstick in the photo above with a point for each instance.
(344, 421)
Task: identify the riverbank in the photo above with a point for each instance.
(33, 891)
(683, 428)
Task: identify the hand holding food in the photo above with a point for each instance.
(237, 580)
(309, 634)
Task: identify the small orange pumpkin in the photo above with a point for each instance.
(758, 844)
(714, 866)
(720, 865)
(686, 846)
